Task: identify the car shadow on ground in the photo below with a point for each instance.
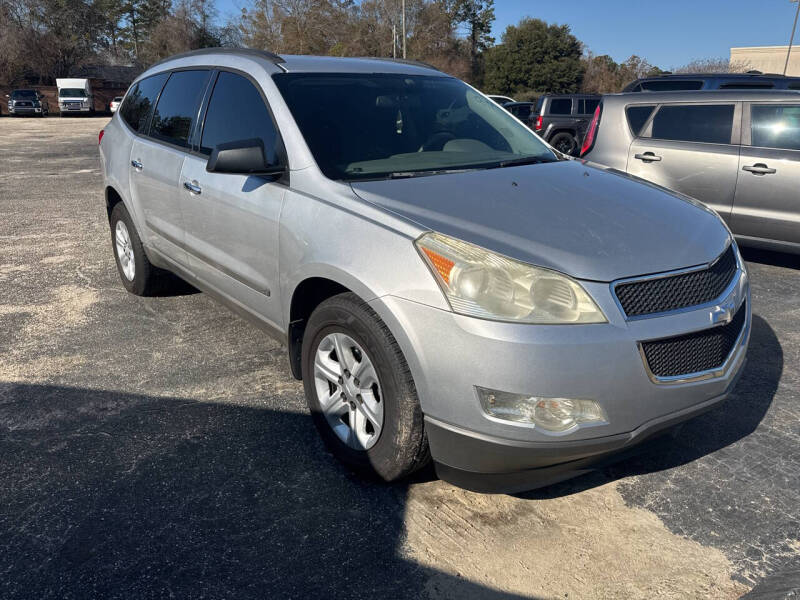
(114, 495)
(726, 424)
(769, 257)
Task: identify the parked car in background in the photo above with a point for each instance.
(75, 96)
(736, 151)
(501, 100)
(114, 105)
(561, 119)
(752, 80)
(521, 110)
(447, 285)
(27, 102)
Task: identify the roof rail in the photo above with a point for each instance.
(270, 56)
(405, 61)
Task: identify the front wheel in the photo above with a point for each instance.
(360, 391)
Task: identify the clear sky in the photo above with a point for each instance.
(667, 33)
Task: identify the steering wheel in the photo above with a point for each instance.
(437, 141)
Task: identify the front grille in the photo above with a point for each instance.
(650, 296)
(694, 352)
(23, 104)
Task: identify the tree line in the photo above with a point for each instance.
(41, 40)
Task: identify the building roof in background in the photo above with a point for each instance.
(112, 75)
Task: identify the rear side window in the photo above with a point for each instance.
(671, 85)
(237, 112)
(775, 126)
(177, 107)
(139, 102)
(560, 106)
(794, 85)
(710, 123)
(588, 105)
(637, 117)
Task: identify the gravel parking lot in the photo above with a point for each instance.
(160, 448)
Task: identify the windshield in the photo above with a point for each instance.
(370, 126)
(72, 93)
(23, 95)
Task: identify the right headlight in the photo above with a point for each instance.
(481, 283)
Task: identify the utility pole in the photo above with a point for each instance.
(404, 29)
(394, 40)
(791, 39)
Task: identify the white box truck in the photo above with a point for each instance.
(75, 96)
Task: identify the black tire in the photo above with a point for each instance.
(148, 280)
(402, 447)
(565, 143)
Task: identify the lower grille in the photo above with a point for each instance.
(694, 352)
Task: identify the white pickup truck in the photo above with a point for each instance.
(75, 96)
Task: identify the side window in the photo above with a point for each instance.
(794, 85)
(637, 117)
(747, 85)
(710, 123)
(177, 107)
(560, 106)
(237, 112)
(521, 111)
(138, 104)
(591, 105)
(775, 126)
(671, 85)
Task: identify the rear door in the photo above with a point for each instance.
(767, 203)
(232, 220)
(157, 160)
(691, 148)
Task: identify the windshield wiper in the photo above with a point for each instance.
(525, 160)
(408, 174)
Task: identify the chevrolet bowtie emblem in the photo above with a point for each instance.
(722, 314)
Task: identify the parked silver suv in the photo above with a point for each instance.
(736, 151)
(446, 285)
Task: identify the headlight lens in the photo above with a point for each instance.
(480, 283)
(556, 415)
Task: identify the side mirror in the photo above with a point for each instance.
(245, 157)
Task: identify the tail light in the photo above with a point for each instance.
(591, 133)
(100, 136)
(538, 123)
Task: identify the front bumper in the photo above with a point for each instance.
(24, 110)
(74, 109)
(449, 355)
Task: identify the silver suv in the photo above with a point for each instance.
(446, 284)
(736, 151)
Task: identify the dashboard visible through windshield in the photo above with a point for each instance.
(375, 126)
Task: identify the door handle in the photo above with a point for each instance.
(136, 165)
(759, 169)
(192, 187)
(647, 157)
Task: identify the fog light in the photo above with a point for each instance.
(550, 414)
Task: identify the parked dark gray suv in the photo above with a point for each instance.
(736, 151)
(561, 119)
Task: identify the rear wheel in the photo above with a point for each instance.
(565, 143)
(360, 390)
(138, 274)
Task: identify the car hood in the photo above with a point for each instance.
(588, 222)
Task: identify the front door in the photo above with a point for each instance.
(231, 221)
(767, 203)
(692, 149)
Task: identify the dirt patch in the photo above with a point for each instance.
(587, 545)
